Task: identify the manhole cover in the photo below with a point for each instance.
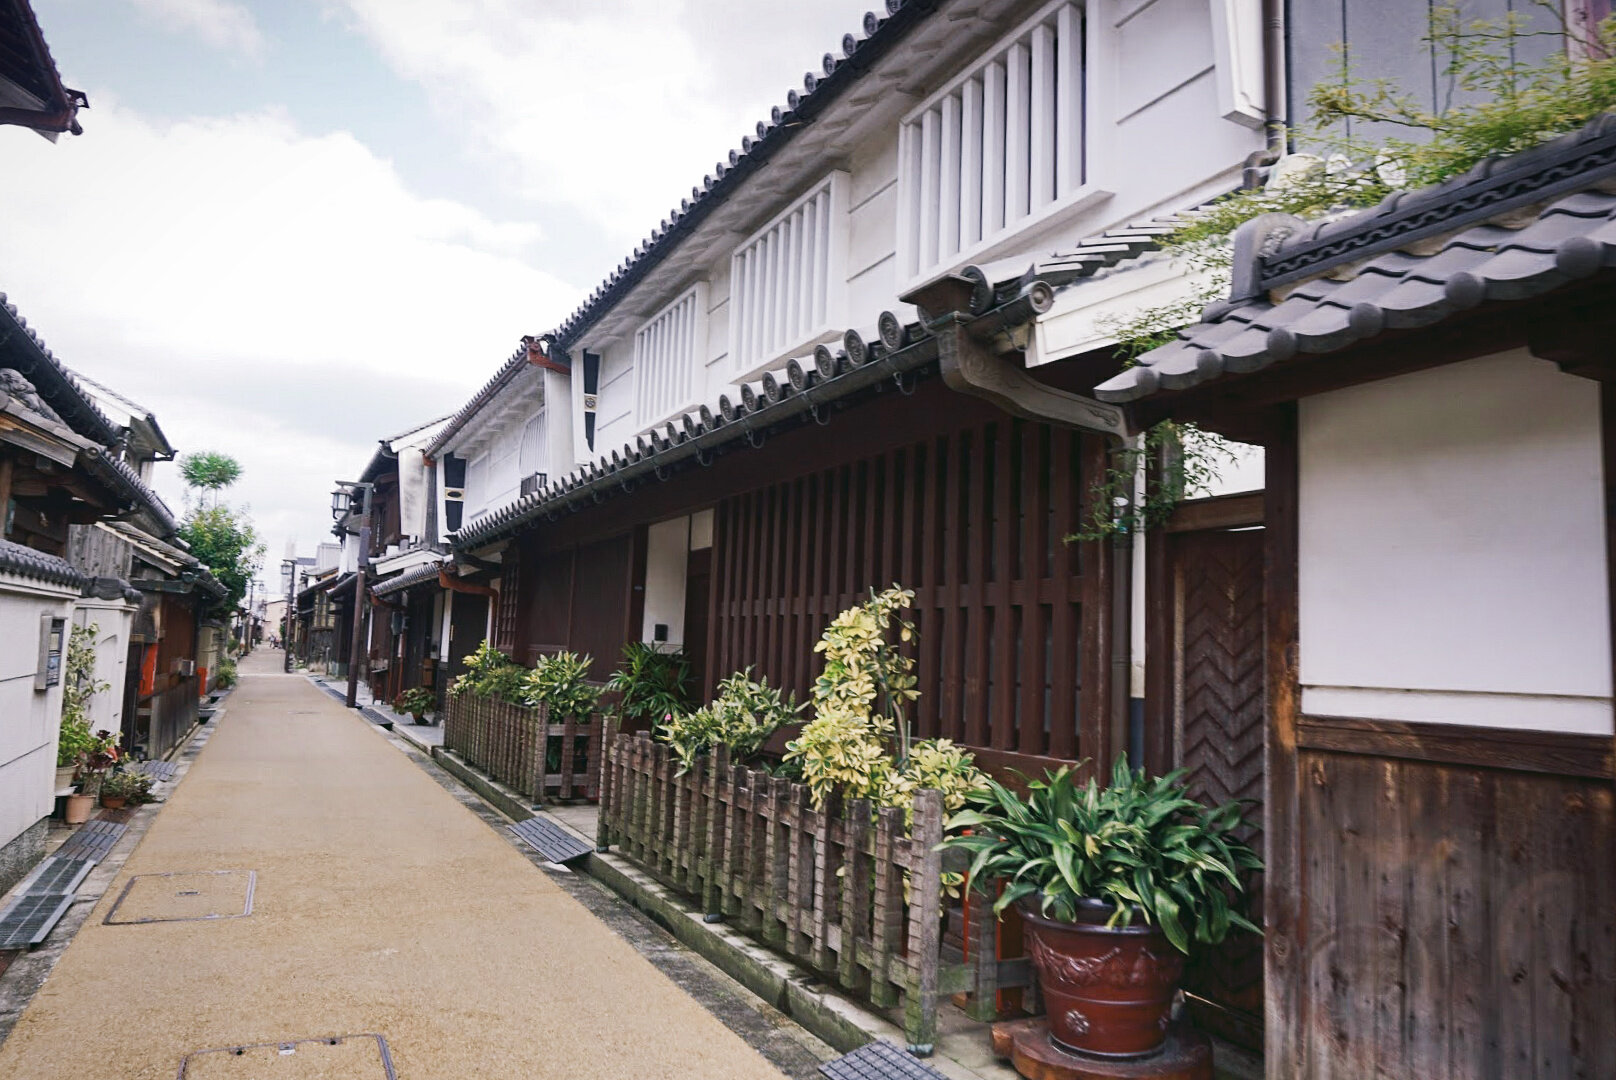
(337, 1057)
(185, 895)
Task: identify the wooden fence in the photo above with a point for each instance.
(169, 714)
(524, 749)
(847, 892)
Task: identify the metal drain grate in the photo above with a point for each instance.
(380, 719)
(27, 919)
(58, 875)
(92, 840)
(157, 770)
(879, 1060)
(184, 896)
(546, 836)
(333, 1057)
(340, 695)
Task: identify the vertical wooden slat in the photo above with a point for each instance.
(1005, 658)
(569, 753)
(1069, 100)
(886, 918)
(735, 844)
(993, 148)
(970, 200)
(930, 197)
(952, 525)
(1017, 129)
(801, 899)
(796, 529)
(925, 930)
(979, 515)
(948, 181)
(1100, 734)
(1041, 118)
(929, 670)
(1063, 675)
(1034, 629)
(855, 884)
(716, 874)
(777, 881)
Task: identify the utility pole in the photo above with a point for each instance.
(290, 565)
(356, 647)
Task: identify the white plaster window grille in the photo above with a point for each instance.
(787, 282)
(998, 146)
(667, 352)
(534, 443)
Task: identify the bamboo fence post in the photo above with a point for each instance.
(888, 915)
(855, 891)
(606, 789)
(569, 753)
(826, 884)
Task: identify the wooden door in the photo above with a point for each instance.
(468, 623)
(698, 594)
(1207, 716)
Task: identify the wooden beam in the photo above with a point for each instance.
(1284, 952)
(1222, 512)
(1556, 752)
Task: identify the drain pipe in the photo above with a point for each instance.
(1274, 96)
(981, 355)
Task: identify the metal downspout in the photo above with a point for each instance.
(1274, 96)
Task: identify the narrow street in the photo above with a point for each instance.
(380, 906)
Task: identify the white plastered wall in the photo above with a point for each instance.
(29, 718)
(667, 557)
(1452, 549)
(113, 620)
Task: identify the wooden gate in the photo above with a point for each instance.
(1205, 713)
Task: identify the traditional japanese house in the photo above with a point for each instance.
(1432, 382)
(63, 469)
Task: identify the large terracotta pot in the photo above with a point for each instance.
(1108, 991)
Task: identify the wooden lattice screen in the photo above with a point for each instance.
(505, 611)
(974, 521)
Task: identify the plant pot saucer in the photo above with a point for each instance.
(1187, 1055)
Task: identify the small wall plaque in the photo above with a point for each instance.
(52, 643)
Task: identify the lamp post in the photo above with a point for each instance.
(342, 505)
(290, 566)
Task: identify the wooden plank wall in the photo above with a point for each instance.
(1459, 921)
(973, 520)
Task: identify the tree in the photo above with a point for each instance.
(209, 471)
(227, 544)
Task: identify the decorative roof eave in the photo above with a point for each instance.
(820, 91)
(420, 575)
(26, 562)
(123, 480)
(55, 383)
(1514, 228)
(530, 352)
(58, 108)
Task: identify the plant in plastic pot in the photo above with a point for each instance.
(1116, 885)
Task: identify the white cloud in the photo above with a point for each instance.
(614, 107)
(277, 296)
(218, 22)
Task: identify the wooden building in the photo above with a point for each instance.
(1432, 381)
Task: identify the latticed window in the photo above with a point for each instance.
(668, 357)
(505, 613)
(999, 145)
(787, 281)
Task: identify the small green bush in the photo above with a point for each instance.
(491, 674)
(652, 683)
(560, 684)
(743, 716)
(225, 677)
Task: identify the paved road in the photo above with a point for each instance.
(491, 971)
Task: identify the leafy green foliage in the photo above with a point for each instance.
(416, 701)
(75, 740)
(742, 717)
(1140, 844)
(134, 786)
(225, 677)
(209, 470)
(227, 544)
(79, 685)
(652, 683)
(1188, 460)
(490, 673)
(560, 684)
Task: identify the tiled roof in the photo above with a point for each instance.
(55, 383)
(120, 476)
(25, 59)
(418, 575)
(1509, 229)
(25, 562)
(881, 32)
(507, 372)
(803, 386)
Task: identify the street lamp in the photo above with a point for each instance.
(289, 568)
(342, 506)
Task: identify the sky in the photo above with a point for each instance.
(294, 227)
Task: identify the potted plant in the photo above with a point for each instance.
(417, 701)
(122, 787)
(1115, 884)
(72, 744)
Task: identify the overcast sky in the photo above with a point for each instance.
(293, 227)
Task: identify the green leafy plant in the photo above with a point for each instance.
(1188, 461)
(79, 684)
(560, 683)
(75, 740)
(98, 756)
(491, 674)
(225, 542)
(416, 701)
(742, 717)
(209, 470)
(124, 783)
(225, 677)
(1140, 844)
(651, 683)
